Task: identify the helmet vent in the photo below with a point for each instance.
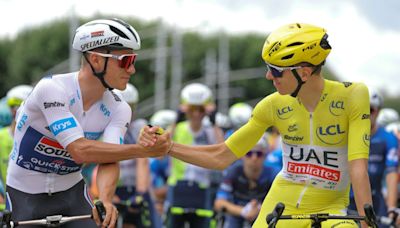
(287, 57)
(127, 26)
(295, 44)
(119, 32)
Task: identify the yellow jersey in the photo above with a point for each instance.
(317, 147)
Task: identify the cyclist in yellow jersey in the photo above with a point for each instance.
(325, 130)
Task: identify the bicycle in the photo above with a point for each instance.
(51, 221)
(220, 220)
(317, 219)
(139, 207)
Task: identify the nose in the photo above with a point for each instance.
(268, 75)
(131, 69)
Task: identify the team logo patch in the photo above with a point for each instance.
(336, 108)
(284, 113)
(331, 135)
(52, 148)
(40, 153)
(62, 125)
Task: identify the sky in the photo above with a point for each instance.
(364, 34)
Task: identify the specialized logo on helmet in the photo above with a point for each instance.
(284, 113)
(101, 42)
(336, 108)
(97, 34)
(331, 135)
(274, 48)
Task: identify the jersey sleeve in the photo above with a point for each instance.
(52, 101)
(116, 129)
(241, 141)
(359, 122)
(392, 157)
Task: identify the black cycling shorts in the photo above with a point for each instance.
(71, 202)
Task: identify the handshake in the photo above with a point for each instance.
(155, 141)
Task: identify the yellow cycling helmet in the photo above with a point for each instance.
(296, 43)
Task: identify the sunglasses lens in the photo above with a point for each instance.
(275, 72)
(250, 154)
(127, 60)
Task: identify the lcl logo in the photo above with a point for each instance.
(336, 108)
(285, 112)
(330, 130)
(331, 134)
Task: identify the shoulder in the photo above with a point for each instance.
(344, 88)
(59, 83)
(115, 102)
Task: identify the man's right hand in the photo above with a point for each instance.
(156, 144)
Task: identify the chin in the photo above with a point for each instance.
(120, 87)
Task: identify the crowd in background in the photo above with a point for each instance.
(164, 191)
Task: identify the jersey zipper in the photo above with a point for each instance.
(311, 143)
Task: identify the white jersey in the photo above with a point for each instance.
(51, 118)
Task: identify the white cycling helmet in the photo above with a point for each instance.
(375, 98)
(130, 94)
(163, 118)
(196, 94)
(16, 95)
(387, 116)
(240, 113)
(112, 33)
(393, 127)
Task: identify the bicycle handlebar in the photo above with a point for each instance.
(53, 220)
(272, 218)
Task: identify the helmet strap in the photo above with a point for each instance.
(100, 75)
(299, 83)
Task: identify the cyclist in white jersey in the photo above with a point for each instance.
(59, 122)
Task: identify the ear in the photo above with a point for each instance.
(305, 73)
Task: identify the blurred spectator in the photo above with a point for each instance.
(189, 197)
(244, 186)
(15, 98)
(383, 162)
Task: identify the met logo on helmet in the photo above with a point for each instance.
(274, 48)
(62, 125)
